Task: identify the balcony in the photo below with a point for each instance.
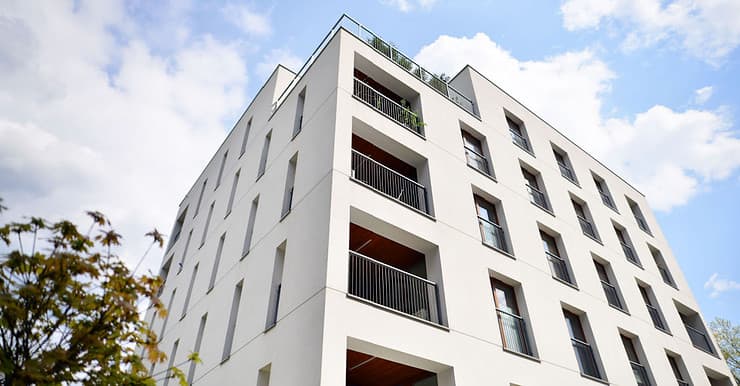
(537, 197)
(585, 358)
(477, 161)
(492, 235)
(699, 339)
(612, 296)
(587, 228)
(559, 267)
(640, 374)
(388, 107)
(566, 172)
(655, 316)
(389, 182)
(630, 255)
(367, 370)
(514, 332)
(520, 141)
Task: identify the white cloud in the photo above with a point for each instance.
(669, 155)
(409, 5)
(718, 285)
(107, 123)
(702, 95)
(248, 20)
(278, 56)
(707, 29)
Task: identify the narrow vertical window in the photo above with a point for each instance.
(167, 317)
(171, 362)
(558, 262)
(535, 189)
(678, 369)
(627, 246)
(638, 368)
(196, 347)
(245, 138)
(610, 289)
(584, 219)
(665, 273)
(181, 264)
(221, 170)
(492, 233)
(231, 327)
(177, 229)
(511, 322)
(639, 218)
(474, 154)
(230, 204)
(275, 287)
(216, 262)
(265, 152)
(208, 224)
(583, 349)
(263, 377)
(289, 184)
(606, 197)
(652, 306)
(518, 134)
(298, 125)
(200, 197)
(250, 226)
(563, 161)
(190, 291)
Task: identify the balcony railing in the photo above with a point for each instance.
(492, 234)
(667, 278)
(537, 197)
(389, 182)
(612, 296)
(402, 115)
(566, 172)
(699, 339)
(630, 254)
(640, 374)
(514, 332)
(655, 316)
(519, 140)
(681, 382)
(393, 288)
(607, 199)
(477, 161)
(587, 227)
(559, 267)
(586, 359)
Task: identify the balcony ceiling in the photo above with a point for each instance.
(366, 370)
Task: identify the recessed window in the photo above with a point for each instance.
(250, 226)
(181, 264)
(660, 262)
(491, 230)
(276, 287)
(584, 218)
(221, 170)
(695, 328)
(234, 185)
(603, 190)
(609, 284)
(208, 224)
(656, 315)
(638, 364)
(585, 352)
(200, 197)
(518, 133)
(171, 362)
(535, 188)
(298, 124)
(177, 229)
(190, 292)
(265, 152)
(289, 186)
(566, 169)
(627, 247)
(559, 265)
(245, 138)
(216, 261)
(639, 218)
(512, 324)
(475, 154)
(233, 315)
(679, 369)
(167, 316)
(196, 347)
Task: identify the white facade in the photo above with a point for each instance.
(300, 318)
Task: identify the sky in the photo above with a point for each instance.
(117, 106)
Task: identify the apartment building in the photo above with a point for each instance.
(366, 223)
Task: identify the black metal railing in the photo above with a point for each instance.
(537, 197)
(587, 228)
(699, 339)
(667, 278)
(393, 288)
(403, 115)
(514, 332)
(519, 140)
(476, 160)
(655, 316)
(566, 172)
(607, 199)
(630, 254)
(586, 359)
(612, 296)
(492, 234)
(559, 267)
(640, 374)
(388, 182)
(681, 382)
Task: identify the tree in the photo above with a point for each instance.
(69, 307)
(728, 338)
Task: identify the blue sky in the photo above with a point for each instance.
(118, 105)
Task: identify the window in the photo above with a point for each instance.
(230, 204)
(610, 289)
(275, 287)
(231, 327)
(167, 317)
(221, 170)
(171, 362)
(289, 185)
(679, 369)
(662, 266)
(177, 229)
(584, 219)
(263, 376)
(695, 328)
(558, 262)
(298, 125)
(535, 189)
(627, 247)
(181, 264)
(245, 138)
(474, 153)
(200, 197)
(190, 291)
(196, 347)
(652, 306)
(164, 272)
(606, 197)
(638, 369)
(566, 170)
(518, 134)
(583, 350)
(216, 262)
(265, 152)
(208, 224)
(513, 326)
(639, 218)
(250, 226)
(492, 234)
